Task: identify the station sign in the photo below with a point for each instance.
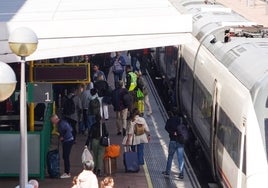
(61, 73)
(40, 92)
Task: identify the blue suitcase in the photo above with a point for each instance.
(53, 163)
(131, 161)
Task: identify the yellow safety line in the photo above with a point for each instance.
(147, 175)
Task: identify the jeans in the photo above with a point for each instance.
(134, 63)
(66, 151)
(172, 148)
(140, 149)
(117, 77)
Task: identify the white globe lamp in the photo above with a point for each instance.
(7, 81)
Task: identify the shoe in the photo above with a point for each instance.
(124, 132)
(65, 175)
(180, 176)
(165, 174)
(119, 133)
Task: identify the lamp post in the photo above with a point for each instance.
(23, 42)
(7, 81)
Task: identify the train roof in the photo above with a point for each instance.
(246, 54)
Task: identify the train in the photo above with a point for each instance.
(221, 86)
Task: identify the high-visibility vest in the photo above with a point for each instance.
(133, 83)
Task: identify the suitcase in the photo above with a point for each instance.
(53, 163)
(131, 162)
(110, 165)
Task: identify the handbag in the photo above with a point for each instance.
(104, 140)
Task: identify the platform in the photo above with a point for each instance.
(155, 154)
(253, 10)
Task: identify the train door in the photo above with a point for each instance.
(214, 126)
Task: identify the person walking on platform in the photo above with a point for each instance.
(135, 57)
(138, 134)
(102, 87)
(97, 149)
(118, 64)
(97, 73)
(131, 85)
(67, 139)
(72, 109)
(85, 97)
(143, 87)
(93, 107)
(121, 102)
(174, 146)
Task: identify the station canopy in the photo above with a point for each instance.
(76, 27)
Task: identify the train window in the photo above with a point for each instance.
(185, 84)
(229, 136)
(203, 100)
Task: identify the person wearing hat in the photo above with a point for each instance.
(138, 134)
(86, 179)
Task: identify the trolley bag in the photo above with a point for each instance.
(53, 163)
(131, 162)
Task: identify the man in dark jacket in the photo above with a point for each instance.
(120, 104)
(102, 87)
(174, 146)
(67, 139)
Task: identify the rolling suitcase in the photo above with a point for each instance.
(131, 161)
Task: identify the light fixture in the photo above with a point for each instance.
(7, 81)
(23, 42)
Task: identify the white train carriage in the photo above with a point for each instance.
(223, 89)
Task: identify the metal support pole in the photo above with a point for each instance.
(23, 129)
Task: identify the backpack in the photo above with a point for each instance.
(69, 106)
(117, 67)
(139, 129)
(182, 133)
(127, 99)
(94, 106)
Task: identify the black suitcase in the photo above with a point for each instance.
(131, 162)
(53, 163)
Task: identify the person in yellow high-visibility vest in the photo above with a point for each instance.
(131, 78)
(131, 84)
